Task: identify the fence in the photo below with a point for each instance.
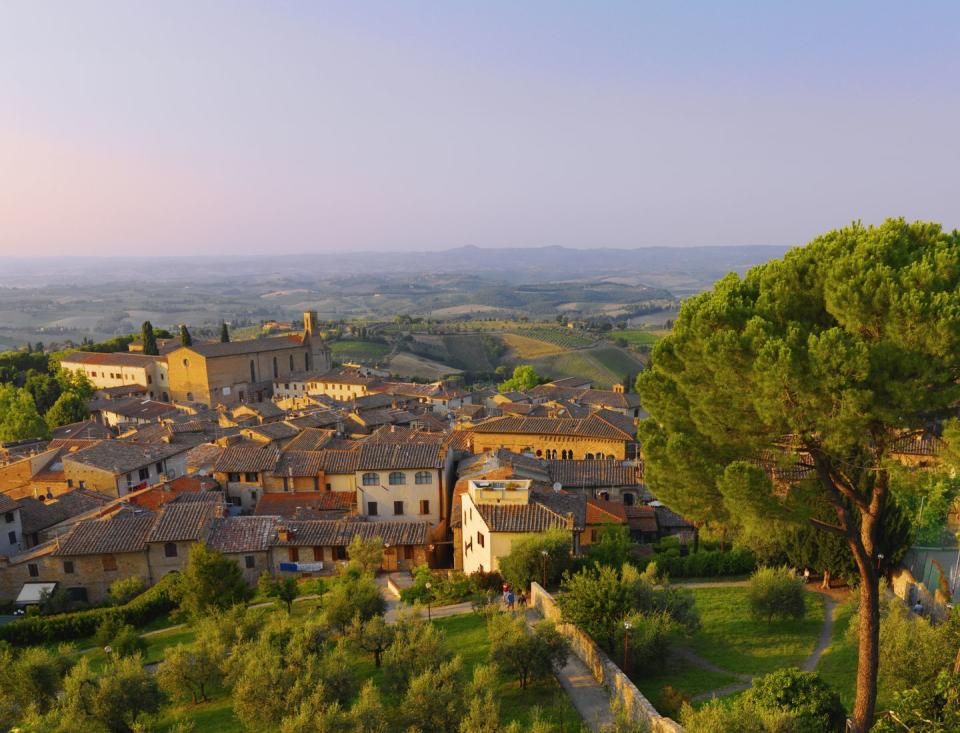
(603, 669)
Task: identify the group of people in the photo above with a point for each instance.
(511, 601)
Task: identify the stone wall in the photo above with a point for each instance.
(602, 667)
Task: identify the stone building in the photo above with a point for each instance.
(121, 369)
(601, 435)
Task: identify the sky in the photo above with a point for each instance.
(182, 127)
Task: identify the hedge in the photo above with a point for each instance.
(705, 564)
(151, 604)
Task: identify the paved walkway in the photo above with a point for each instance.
(588, 696)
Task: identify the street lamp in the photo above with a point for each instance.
(543, 567)
(626, 637)
(428, 585)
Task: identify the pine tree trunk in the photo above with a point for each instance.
(868, 645)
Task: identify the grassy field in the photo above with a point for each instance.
(683, 676)
(731, 639)
(636, 338)
(365, 350)
(526, 347)
(604, 366)
(405, 364)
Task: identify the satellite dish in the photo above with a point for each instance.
(557, 486)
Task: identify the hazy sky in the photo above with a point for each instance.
(178, 127)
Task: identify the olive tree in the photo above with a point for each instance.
(790, 388)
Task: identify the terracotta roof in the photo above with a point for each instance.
(401, 434)
(594, 426)
(186, 521)
(37, 515)
(7, 504)
(204, 455)
(604, 512)
(125, 531)
(641, 518)
(263, 409)
(301, 504)
(115, 359)
(274, 430)
(533, 517)
(341, 376)
(379, 456)
(338, 461)
(589, 474)
(669, 519)
(923, 443)
(322, 533)
(310, 439)
(299, 463)
(119, 457)
(249, 346)
(182, 488)
(90, 429)
(136, 408)
(242, 534)
(246, 458)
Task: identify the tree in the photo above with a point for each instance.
(366, 556)
(524, 377)
(613, 547)
(595, 600)
(185, 338)
(211, 582)
(776, 592)
(483, 707)
(149, 339)
(19, 419)
(526, 561)
(127, 642)
(417, 645)
(803, 694)
(372, 636)
(114, 699)
(192, 670)
(284, 590)
(124, 590)
(224, 333)
(527, 655)
(367, 714)
(350, 596)
(828, 357)
(434, 699)
(30, 681)
(44, 388)
(69, 408)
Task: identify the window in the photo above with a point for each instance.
(8, 517)
(480, 539)
(250, 478)
(371, 479)
(291, 362)
(77, 595)
(407, 552)
(397, 478)
(398, 507)
(33, 570)
(340, 553)
(253, 371)
(186, 362)
(372, 508)
(424, 477)
(249, 562)
(594, 535)
(253, 496)
(627, 498)
(306, 361)
(160, 467)
(83, 484)
(68, 567)
(276, 369)
(109, 562)
(328, 486)
(318, 554)
(170, 549)
(424, 506)
(233, 477)
(149, 379)
(293, 554)
(12, 536)
(143, 474)
(286, 484)
(69, 483)
(189, 396)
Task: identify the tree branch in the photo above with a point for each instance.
(827, 527)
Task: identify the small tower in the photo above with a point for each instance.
(310, 323)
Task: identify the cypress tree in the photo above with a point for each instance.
(224, 333)
(149, 340)
(185, 338)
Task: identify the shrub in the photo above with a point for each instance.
(705, 564)
(128, 642)
(482, 581)
(151, 604)
(124, 590)
(525, 563)
(648, 640)
(776, 592)
(804, 695)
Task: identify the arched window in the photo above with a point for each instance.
(306, 361)
(291, 362)
(276, 369)
(589, 456)
(423, 477)
(539, 453)
(253, 371)
(189, 396)
(397, 478)
(170, 549)
(371, 479)
(605, 495)
(599, 456)
(563, 455)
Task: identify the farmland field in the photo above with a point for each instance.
(364, 350)
(525, 347)
(636, 337)
(405, 364)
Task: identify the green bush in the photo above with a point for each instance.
(648, 640)
(704, 564)
(776, 592)
(803, 694)
(526, 563)
(150, 604)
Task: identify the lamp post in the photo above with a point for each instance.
(428, 585)
(543, 567)
(626, 640)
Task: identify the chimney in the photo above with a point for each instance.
(220, 511)
(284, 534)
(570, 522)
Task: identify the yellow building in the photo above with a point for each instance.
(602, 435)
(243, 371)
(120, 369)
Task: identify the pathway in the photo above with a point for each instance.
(588, 696)
(744, 680)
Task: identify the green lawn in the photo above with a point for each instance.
(636, 338)
(348, 349)
(731, 639)
(682, 676)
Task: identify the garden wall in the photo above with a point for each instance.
(603, 669)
